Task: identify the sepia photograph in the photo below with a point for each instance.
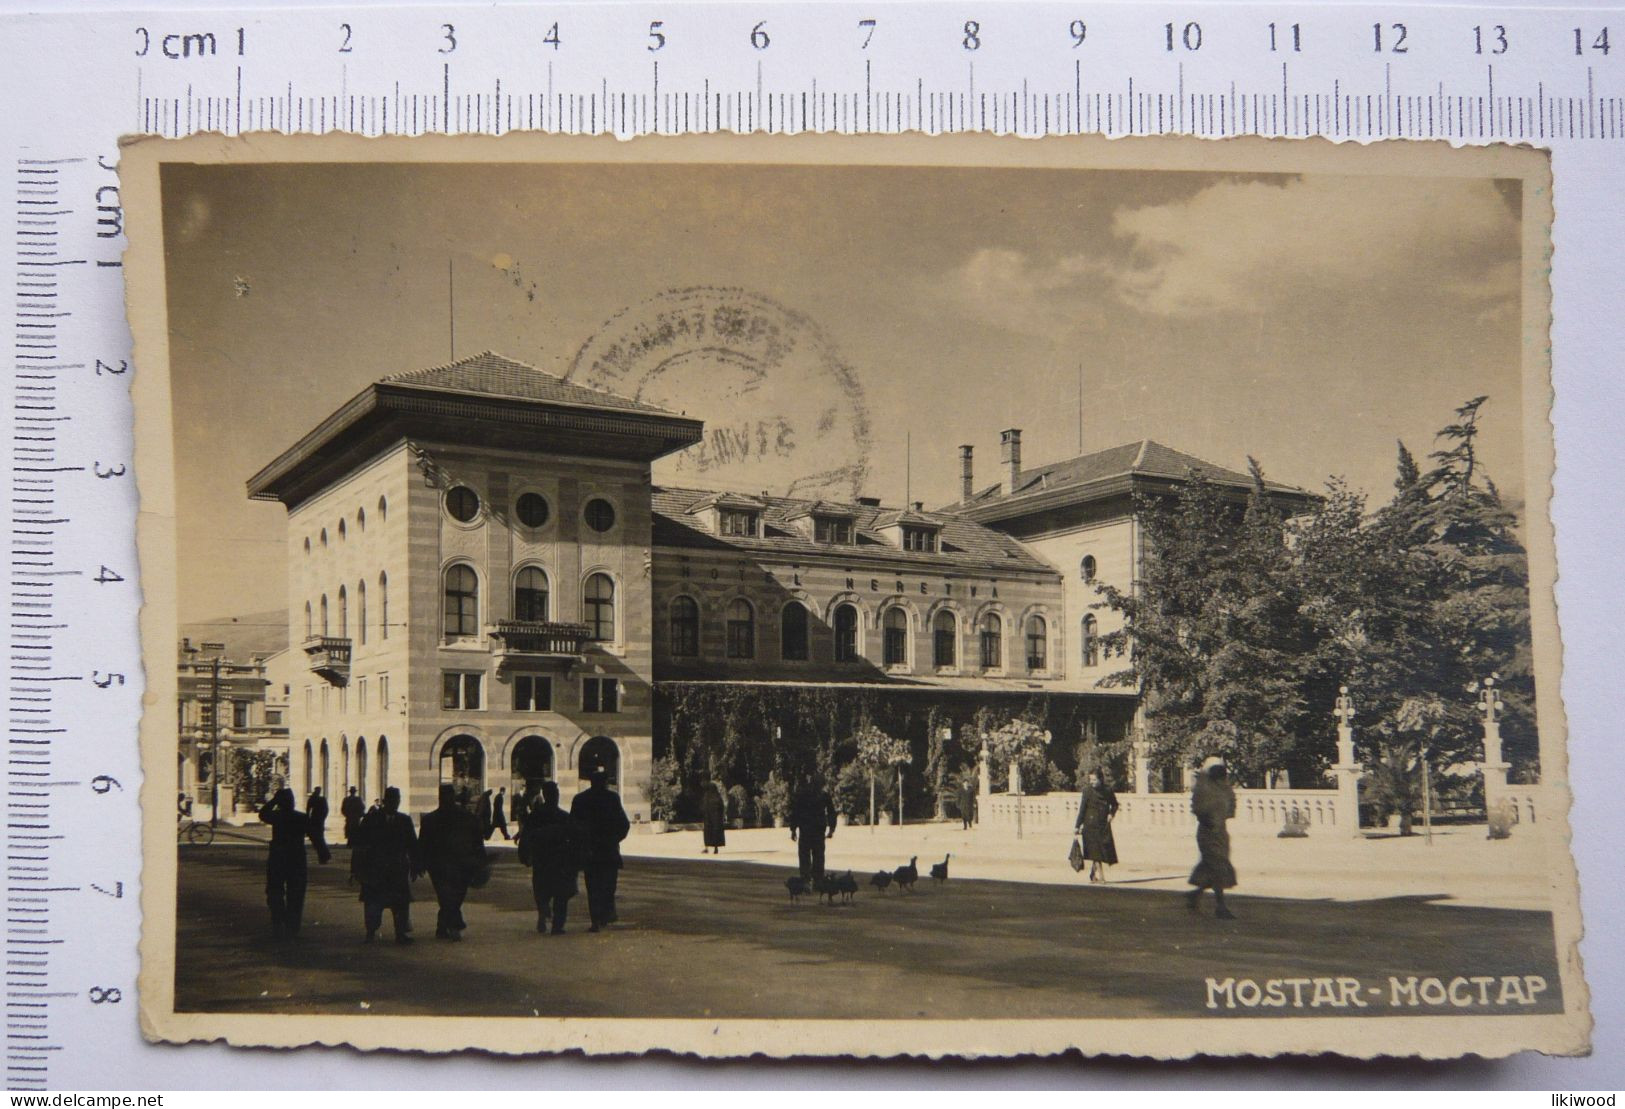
(797, 596)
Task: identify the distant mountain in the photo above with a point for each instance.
(255, 633)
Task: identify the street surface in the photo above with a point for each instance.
(714, 938)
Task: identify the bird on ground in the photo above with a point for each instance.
(906, 876)
(826, 886)
(881, 880)
(939, 871)
(847, 886)
(797, 885)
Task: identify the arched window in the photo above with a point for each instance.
(324, 614)
(530, 594)
(344, 531)
(685, 627)
(361, 768)
(944, 638)
(344, 766)
(599, 607)
(846, 633)
(309, 759)
(1088, 568)
(741, 629)
(895, 624)
(324, 537)
(793, 632)
(1037, 643)
(992, 641)
(1091, 642)
(383, 510)
(531, 764)
(361, 519)
(383, 606)
(326, 770)
(462, 610)
(361, 610)
(310, 628)
(600, 751)
(383, 764)
(462, 766)
(307, 545)
(344, 614)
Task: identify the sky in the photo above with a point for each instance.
(1306, 321)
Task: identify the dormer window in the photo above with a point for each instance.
(740, 522)
(832, 529)
(922, 540)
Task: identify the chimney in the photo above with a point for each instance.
(919, 506)
(967, 484)
(1010, 454)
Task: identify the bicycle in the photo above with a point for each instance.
(199, 833)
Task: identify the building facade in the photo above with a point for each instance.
(486, 589)
(224, 705)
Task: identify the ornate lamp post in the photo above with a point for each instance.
(1347, 767)
(1494, 767)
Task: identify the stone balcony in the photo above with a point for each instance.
(329, 657)
(538, 642)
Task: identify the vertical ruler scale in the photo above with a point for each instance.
(77, 82)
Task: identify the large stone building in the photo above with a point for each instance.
(486, 587)
(224, 705)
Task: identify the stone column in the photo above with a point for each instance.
(1494, 767)
(1142, 767)
(1347, 768)
(984, 777)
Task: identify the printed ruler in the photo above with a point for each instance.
(75, 82)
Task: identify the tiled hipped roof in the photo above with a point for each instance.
(1146, 458)
(492, 375)
(963, 545)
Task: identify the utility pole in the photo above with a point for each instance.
(216, 760)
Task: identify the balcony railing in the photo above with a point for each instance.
(329, 656)
(538, 641)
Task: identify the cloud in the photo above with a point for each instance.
(1257, 246)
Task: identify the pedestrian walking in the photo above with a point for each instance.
(1214, 803)
(812, 821)
(714, 812)
(967, 803)
(352, 808)
(453, 852)
(483, 813)
(603, 825)
(499, 812)
(384, 862)
(550, 844)
(1096, 808)
(316, 809)
(285, 865)
(522, 801)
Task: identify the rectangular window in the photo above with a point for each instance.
(181, 706)
(459, 690)
(310, 702)
(896, 646)
(344, 698)
(600, 695)
(361, 694)
(325, 700)
(923, 540)
(828, 529)
(383, 691)
(532, 694)
(739, 522)
(273, 718)
(239, 714)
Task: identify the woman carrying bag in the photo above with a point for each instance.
(1094, 828)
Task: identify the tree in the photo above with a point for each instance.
(1023, 742)
(877, 754)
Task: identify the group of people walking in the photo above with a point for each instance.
(387, 854)
(1213, 803)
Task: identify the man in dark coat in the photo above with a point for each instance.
(352, 808)
(522, 801)
(549, 842)
(714, 814)
(603, 825)
(1214, 803)
(385, 861)
(316, 809)
(967, 803)
(285, 866)
(482, 814)
(452, 849)
(812, 821)
(499, 812)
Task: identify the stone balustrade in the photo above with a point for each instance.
(1258, 811)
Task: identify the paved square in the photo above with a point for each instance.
(703, 939)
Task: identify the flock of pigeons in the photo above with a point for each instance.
(830, 887)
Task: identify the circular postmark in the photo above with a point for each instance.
(783, 411)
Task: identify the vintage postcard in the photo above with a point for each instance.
(836, 596)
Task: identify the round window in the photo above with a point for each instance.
(463, 504)
(600, 514)
(531, 508)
